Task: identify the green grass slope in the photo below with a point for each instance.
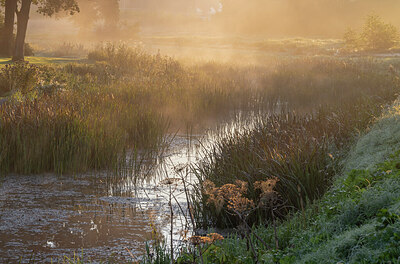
(359, 219)
(381, 141)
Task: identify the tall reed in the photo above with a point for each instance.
(301, 147)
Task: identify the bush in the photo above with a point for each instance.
(351, 38)
(376, 35)
(20, 76)
(28, 50)
(68, 49)
(23, 78)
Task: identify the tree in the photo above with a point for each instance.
(6, 43)
(100, 20)
(351, 38)
(1, 21)
(378, 35)
(22, 9)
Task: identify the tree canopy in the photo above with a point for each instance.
(51, 7)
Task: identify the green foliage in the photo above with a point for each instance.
(382, 140)
(157, 254)
(357, 220)
(26, 79)
(351, 224)
(52, 7)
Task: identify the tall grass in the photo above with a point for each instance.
(72, 132)
(301, 148)
(78, 117)
(82, 116)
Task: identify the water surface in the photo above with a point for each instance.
(45, 217)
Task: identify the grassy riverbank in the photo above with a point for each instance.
(73, 117)
(356, 221)
(301, 148)
(309, 111)
(291, 176)
(76, 117)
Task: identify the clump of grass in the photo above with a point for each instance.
(69, 49)
(65, 133)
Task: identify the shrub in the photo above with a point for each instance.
(20, 76)
(376, 35)
(24, 78)
(68, 49)
(351, 38)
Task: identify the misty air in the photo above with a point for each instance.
(199, 131)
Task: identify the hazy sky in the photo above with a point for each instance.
(172, 5)
(265, 18)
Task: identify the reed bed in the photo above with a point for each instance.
(82, 116)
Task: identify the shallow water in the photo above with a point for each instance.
(101, 216)
(46, 217)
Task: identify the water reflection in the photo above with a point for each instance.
(102, 215)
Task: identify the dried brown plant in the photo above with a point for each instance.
(230, 195)
(268, 196)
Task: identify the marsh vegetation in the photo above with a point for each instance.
(301, 117)
(218, 144)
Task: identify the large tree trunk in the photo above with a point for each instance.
(6, 45)
(22, 26)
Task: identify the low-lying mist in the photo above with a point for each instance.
(229, 31)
